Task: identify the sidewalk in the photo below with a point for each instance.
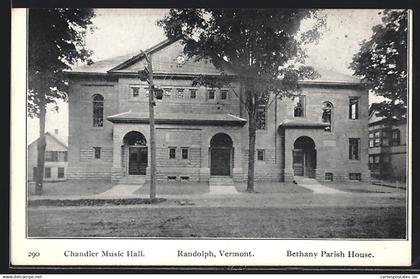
(269, 194)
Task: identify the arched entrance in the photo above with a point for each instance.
(135, 146)
(221, 154)
(304, 157)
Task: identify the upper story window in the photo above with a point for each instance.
(354, 149)
(261, 117)
(354, 108)
(184, 153)
(211, 94)
(327, 109)
(135, 91)
(396, 137)
(98, 110)
(371, 139)
(224, 94)
(51, 156)
(193, 93)
(299, 106)
(172, 152)
(377, 138)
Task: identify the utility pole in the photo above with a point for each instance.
(149, 72)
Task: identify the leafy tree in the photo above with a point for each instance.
(382, 63)
(56, 41)
(263, 47)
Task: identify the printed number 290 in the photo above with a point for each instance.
(33, 254)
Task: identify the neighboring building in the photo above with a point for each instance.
(387, 148)
(202, 132)
(55, 168)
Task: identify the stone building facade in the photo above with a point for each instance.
(387, 148)
(202, 132)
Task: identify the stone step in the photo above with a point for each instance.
(132, 180)
(222, 190)
(221, 181)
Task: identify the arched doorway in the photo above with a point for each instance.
(304, 157)
(221, 154)
(135, 146)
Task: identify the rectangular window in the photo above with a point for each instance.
(377, 139)
(60, 173)
(355, 176)
(260, 154)
(172, 152)
(171, 178)
(371, 140)
(34, 173)
(193, 93)
(146, 92)
(329, 176)
(396, 137)
(354, 152)
(185, 178)
(135, 91)
(47, 172)
(62, 156)
(97, 152)
(299, 106)
(374, 161)
(51, 156)
(211, 94)
(167, 92)
(354, 108)
(184, 153)
(180, 93)
(261, 117)
(224, 94)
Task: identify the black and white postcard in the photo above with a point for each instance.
(211, 137)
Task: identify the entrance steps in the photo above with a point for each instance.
(125, 187)
(120, 190)
(133, 180)
(314, 185)
(222, 185)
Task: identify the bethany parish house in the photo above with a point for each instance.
(202, 132)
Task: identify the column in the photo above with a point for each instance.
(117, 171)
(288, 158)
(238, 173)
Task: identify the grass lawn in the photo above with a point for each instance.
(267, 222)
(72, 187)
(360, 187)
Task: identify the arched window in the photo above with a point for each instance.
(98, 110)
(327, 110)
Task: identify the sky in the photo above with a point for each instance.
(122, 31)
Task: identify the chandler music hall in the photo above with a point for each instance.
(202, 132)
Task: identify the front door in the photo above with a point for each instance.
(298, 162)
(220, 161)
(137, 160)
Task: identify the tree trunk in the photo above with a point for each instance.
(251, 156)
(41, 145)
